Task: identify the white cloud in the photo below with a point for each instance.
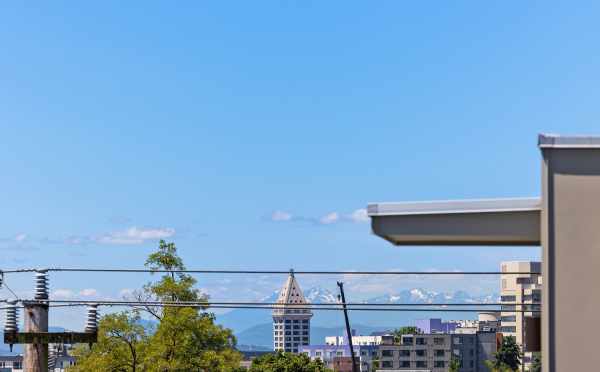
(20, 237)
(279, 216)
(359, 216)
(88, 292)
(126, 292)
(135, 235)
(329, 218)
(63, 294)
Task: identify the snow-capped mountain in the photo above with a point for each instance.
(318, 295)
(422, 296)
(241, 319)
(312, 295)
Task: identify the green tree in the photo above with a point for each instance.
(536, 363)
(185, 338)
(287, 362)
(508, 357)
(121, 345)
(454, 365)
(404, 331)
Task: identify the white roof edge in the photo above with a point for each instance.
(558, 141)
(455, 206)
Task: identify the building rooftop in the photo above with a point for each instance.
(454, 206)
(557, 141)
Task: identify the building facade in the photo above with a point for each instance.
(11, 363)
(434, 352)
(356, 340)
(519, 289)
(329, 354)
(291, 318)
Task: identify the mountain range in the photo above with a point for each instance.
(254, 327)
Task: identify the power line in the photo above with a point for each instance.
(332, 307)
(276, 272)
(278, 304)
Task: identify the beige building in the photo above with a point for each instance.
(291, 318)
(521, 292)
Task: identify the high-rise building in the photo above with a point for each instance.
(525, 289)
(291, 318)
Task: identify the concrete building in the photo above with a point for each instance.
(520, 289)
(291, 318)
(356, 340)
(329, 353)
(436, 325)
(11, 363)
(434, 352)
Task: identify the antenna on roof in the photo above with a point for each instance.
(292, 272)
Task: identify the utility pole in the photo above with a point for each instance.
(36, 321)
(36, 336)
(348, 330)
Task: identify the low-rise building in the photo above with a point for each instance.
(434, 352)
(356, 340)
(11, 363)
(328, 354)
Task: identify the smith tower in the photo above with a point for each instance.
(291, 318)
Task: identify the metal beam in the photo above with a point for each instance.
(50, 337)
(464, 222)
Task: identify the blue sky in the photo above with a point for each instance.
(122, 123)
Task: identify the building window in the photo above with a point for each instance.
(438, 341)
(387, 353)
(421, 364)
(421, 353)
(386, 364)
(457, 340)
(510, 318)
(525, 281)
(440, 353)
(439, 364)
(508, 329)
(318, 354)
(421, 341)
(407, 340)
(404, 364)
(508, 298)
(405, 353)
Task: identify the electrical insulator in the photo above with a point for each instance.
(41, 285)
(10, 325)
(92, 318)
(1, 279)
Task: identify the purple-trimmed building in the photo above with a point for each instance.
(327, 353)
(435, 325)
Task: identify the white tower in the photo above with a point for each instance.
(291, 318)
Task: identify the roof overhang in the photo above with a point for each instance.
(459, 222)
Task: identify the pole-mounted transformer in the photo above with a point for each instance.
(41, 285)
(10, 324)
(92, 318)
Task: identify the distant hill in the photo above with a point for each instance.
(242, 320)
(261, 335)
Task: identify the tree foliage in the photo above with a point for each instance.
(410, 330)
(121, 345)
(287, 362)
(508, 357)
(185, 338)
(454, 365)
(536, 363)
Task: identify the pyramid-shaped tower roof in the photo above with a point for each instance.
(291, 298)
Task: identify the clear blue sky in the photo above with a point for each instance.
(122, 122)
